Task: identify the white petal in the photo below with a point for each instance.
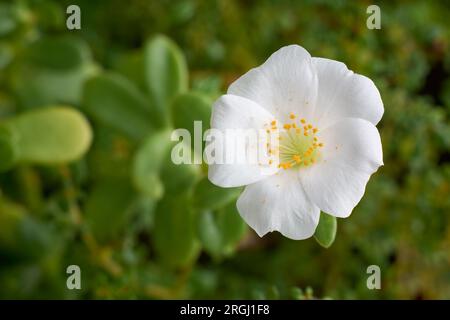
(344, 94)
(351, 153)
(285, 83)
(234, 112)
(279, 203)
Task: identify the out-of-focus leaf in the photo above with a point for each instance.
(207, 196)
(8, 151)
(179, 177)
(147, 164)
(131, 65)
(174, 231)
(6, 55)
(36, 87)
(53, 72)
(58, 53)
(166, 72)
(209, 233)
(110, 155)
(108, 207)
(114, 101)
(21, 236)
(326, 230)
(8, 20)
(220, 231)
(50, 135)
(189, 107)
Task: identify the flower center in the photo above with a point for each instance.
(298, 146)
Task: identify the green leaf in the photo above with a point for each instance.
(58, 53)
(154, 171)
(110, 155)
(179, 177)
(131, 66)
(189, 107)
(50, 135)
(147, 164)
(53, 72)
(8, 19)
(209, 233)
(208, 196)
(8, 151)
(36, 87)
(174, 231)
(326, 230)
(116, 102)
(108, 207)
(220, 231)
(21, 236)
(166, 72)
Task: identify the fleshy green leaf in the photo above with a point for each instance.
(22, 237)
(108, 207)
(147, 164)
(153, 166)
(190, 107)
(40, 87)
(53, 72)
(220, 231)
(174, 231)
(115, 101)
(58, 53)
(179, 177)
(50, 135)
(8, 151)
(207, 196)
(166, 72)
(326, 230)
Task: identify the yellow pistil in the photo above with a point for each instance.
(297, 148)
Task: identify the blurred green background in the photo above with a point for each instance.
(84, 151)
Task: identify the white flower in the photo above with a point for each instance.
(328, 148)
